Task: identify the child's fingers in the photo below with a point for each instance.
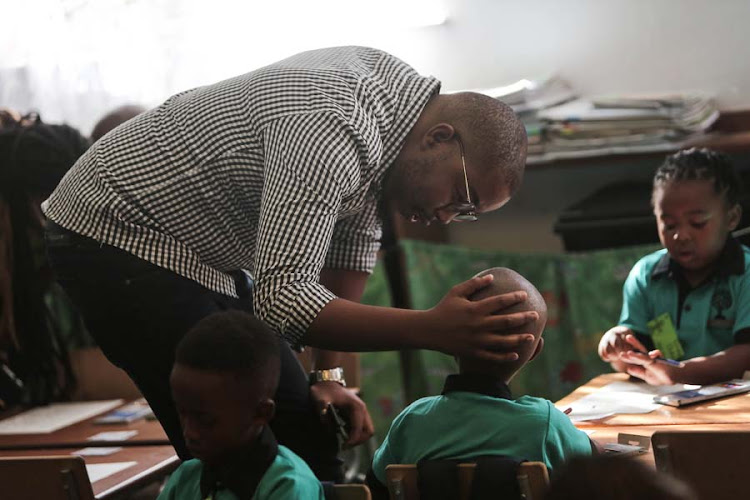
(637, 371)
(636, 358)
(633, 340)
(656, 353)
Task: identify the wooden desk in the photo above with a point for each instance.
(152, 464)
(150, 432)
(730, 410)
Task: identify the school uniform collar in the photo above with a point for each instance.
(731, 261)
(243, 472)
(475, 382)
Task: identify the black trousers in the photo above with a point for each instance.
(137, 312)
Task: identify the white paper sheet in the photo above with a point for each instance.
(112, 436)
(618, 398)
(97, 451)
(50, 418)
(97, 472)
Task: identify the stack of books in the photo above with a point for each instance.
(623, 124)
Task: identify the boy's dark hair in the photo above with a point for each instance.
(701, 164)
(235, 342)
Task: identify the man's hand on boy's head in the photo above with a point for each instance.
(349, 404)
(462, 327)
(645, 367)
(614, 342)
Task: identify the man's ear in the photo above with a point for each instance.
(264, 412)
(539, 347)
(735, 215)
(439, 133)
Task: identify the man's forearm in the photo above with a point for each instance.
(349, 326)
(348, 285)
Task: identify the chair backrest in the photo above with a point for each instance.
(533, 480)
(713, 463)
(351, 492)
(50, 478)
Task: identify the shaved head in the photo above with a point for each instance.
(505, 281)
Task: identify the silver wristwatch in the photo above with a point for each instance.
(328, 375)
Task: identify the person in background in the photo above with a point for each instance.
(225, 375)
(476, 415)
(114, 118)
(690, 301)
(36, 320)
(262, 193)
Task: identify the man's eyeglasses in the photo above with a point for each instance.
(467, 211)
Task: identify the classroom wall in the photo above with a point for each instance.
(600, 46)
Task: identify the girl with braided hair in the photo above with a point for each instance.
(34, 156)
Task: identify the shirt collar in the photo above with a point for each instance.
(731, 261)
(479, 383)
(242, 473)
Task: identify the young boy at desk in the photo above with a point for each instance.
(225, 373)
(476, 414)
(691, 300)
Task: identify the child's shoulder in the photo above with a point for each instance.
(288, 477)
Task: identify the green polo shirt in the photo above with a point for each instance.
(287, 477)
(469, 421)
(708, 318)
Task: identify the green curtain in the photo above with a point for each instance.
(583, 292)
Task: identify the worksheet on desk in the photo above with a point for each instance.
(100, 471)
(49, 418)
(619, 398)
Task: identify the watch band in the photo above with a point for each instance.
(328, 375)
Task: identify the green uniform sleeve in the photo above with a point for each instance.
(742, 319)
(385, 456)
(170, 489)
(634, 313)
(564, 440)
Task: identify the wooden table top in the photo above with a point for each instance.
(149, 432)
(152, 463)
(729, 410)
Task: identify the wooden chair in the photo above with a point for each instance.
(533, 480)
(713, 463)
(48, 478)
(351, 492)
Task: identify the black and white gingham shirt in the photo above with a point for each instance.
(274, 171)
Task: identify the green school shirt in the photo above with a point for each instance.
(465, 424)
(287, 477)
(708, 319)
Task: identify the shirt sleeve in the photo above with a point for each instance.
(384, 456)
(564, 440)
(356, 241)
(312, 162)
(169, 492)
(742, 319)
(634, 314)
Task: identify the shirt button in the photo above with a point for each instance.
(687, 307)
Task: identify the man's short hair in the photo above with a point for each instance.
(234, 342)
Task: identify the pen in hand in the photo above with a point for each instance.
(667, 361)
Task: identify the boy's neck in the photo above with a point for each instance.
(490, 375)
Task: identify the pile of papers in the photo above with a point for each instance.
(615, 125)
(560, 124)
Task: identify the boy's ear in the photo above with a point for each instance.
(264, 412)
(735, 214)
(539, 347)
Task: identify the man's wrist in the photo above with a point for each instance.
(328, 375)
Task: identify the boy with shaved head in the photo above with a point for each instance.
(476, 415)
